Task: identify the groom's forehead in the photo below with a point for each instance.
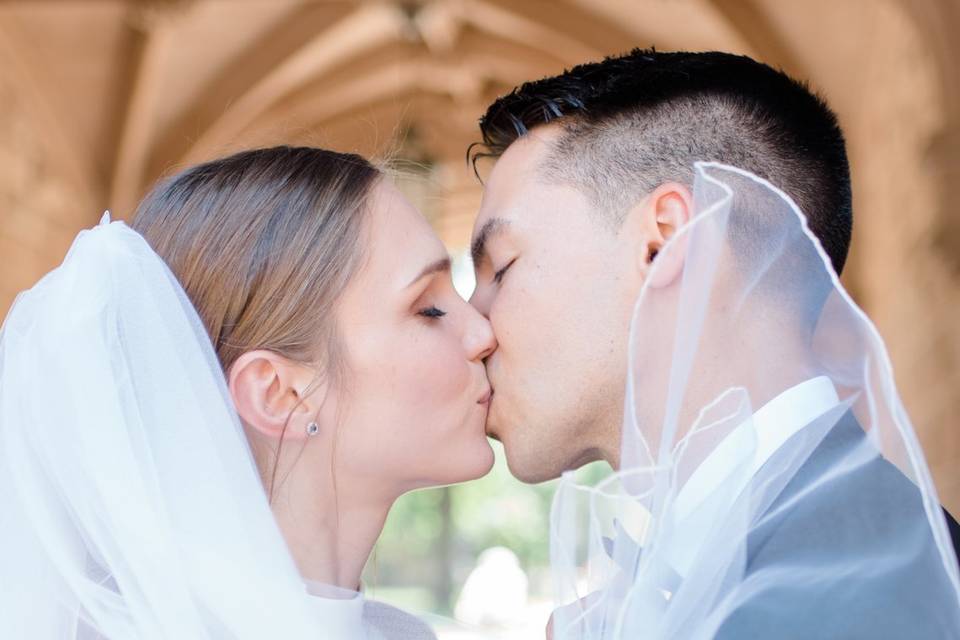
(526, 155)
(513, 183)
(515, 174)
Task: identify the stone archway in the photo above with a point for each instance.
(99, 99)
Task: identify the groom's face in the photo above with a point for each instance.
(555, 283)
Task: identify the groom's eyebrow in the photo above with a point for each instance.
(490, 228)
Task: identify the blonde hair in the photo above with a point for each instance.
(264, 242)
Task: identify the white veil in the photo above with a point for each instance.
(130, 504)
(771, 484)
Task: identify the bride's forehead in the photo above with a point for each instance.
(398, 231)
(392, 212)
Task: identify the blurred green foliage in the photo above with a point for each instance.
(496, 510)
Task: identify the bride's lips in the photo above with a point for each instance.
(485, 398)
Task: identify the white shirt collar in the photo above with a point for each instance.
(770, 427)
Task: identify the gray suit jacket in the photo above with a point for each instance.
(392, 623)
(856, 606)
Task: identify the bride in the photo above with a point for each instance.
(205, 416)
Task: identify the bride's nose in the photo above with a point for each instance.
(478, 338)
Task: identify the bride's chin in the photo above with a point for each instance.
(479, 463)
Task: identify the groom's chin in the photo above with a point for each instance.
(529, 474)
(491, 428)
(528, 467)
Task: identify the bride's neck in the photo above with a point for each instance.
(329, 528)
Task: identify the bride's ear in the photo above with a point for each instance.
(658, 217)
(267, 389)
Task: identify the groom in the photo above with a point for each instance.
(592, 176)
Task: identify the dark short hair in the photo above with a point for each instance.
(633, 122)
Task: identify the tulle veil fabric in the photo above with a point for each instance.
(130, 504)
(664, 548)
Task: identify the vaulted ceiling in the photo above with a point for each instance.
(126, 90)
(98, 98)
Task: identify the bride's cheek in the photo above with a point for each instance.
(449, 376)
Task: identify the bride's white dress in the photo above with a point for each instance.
(378, 619)
(130, 504)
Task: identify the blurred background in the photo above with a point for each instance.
(99, 98)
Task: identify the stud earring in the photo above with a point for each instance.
(313, 429)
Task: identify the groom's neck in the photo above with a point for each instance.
(605, 442)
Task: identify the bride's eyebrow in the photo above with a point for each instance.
(493, 226)
(443, 264)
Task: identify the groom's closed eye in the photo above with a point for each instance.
(498, 276)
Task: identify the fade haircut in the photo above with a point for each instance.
(633, 122)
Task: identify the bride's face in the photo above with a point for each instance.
(410, 411)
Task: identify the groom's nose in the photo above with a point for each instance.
(481, 299)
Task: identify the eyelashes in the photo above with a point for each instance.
(498, 276)
(432, 312)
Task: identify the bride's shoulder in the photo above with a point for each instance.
(395, 624)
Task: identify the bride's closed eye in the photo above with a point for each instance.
(432, 312)
(436, 293)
